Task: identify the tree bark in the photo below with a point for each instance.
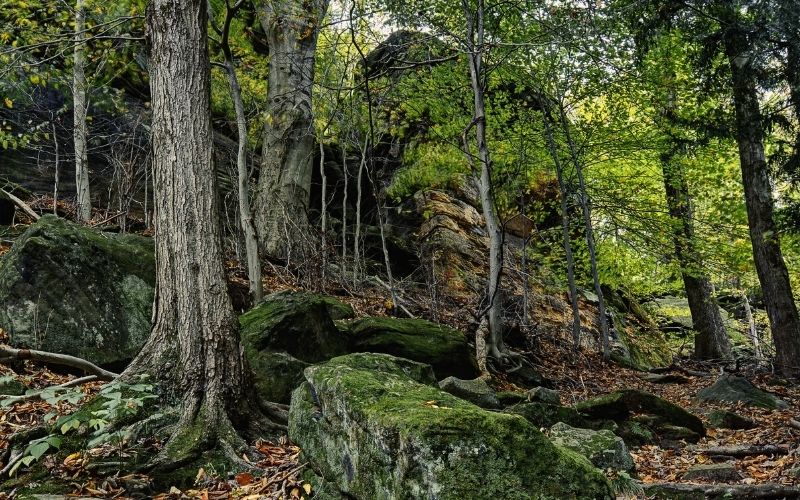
(711, 341)
(285, 182)
(79, 108)
(770, 266)
(193, 351)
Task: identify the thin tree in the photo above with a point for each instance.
(193, 352)
(243, 176)
(79, 106)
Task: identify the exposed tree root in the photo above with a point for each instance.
(90, 368)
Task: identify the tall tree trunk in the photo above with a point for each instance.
(79, 108)
(243, 176)
(770, 267)
(562, 186)
(711, 341)
(57, 169)
(193, 351)
(285, 183)
(475, 47)
(590, 242)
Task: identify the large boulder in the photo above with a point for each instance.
(73, 290)
(603, 448)
(297, 323)
(733, 389)
(442, 347)
(373, 425)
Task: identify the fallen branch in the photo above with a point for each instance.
(720, 491)
(794, 423)
(95, 224)
(401, 306)
(21, 204)
(745, 451)
(57, 359)
(38, 395)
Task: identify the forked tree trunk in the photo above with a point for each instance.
(770, 267)
(193, 351)
(79, 106)
(285, 182)
(711, 341)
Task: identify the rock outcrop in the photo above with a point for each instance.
(733, 389)
(375, 426)
(74, 290)
(603, 448)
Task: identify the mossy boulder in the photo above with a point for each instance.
(297, 323)
(476, 391)
(11, 386)
(275, 374)
(729, 420)
(637, 343)
(74, 290)
(603, 448)
(444, 348)
(546, 415)
(733, 389)
(366, 423)
(510, 398)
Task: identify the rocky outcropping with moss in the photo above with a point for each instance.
(376, 427)
(75, 290)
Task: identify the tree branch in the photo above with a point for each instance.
(58, 359)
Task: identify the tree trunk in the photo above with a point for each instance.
(79, 107)
(590, 243)
(57, 169)
(474, 47)
(573, 290)
(285, 183)
(193, 351)
(711, 341)
(243, 177)
(770, 267)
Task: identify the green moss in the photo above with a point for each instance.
(442, 347)
(509, 398)
(545, 415)
(382, 434)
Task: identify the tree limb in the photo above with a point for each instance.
(58, 359)
(21, 204)
(38, 395)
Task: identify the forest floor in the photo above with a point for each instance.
(577, 376)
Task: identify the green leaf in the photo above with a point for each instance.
(38, 449)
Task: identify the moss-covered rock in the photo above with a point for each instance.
(733, 389)
(74, 290)
(444, 348)
(546, 415)
(381, 434)
(476, 391)
(11, 386)
(620, 404)
(603, 448)
(729, 420)
(510, 398)
(297, 323)
(637, 342)
(275, 374)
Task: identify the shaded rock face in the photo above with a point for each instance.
(373, 425)
(74, 290)
(712, 472)
(546, 415)
(729, 420)
(603, 448)
(290, 330)
(732, 389)
(640, 415)
(444, 348)
(637, 343)
(453, 240)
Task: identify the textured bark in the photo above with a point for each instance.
(193, 351)
(770, 266)
(711, 341)
(79, 107)
(285, 182)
